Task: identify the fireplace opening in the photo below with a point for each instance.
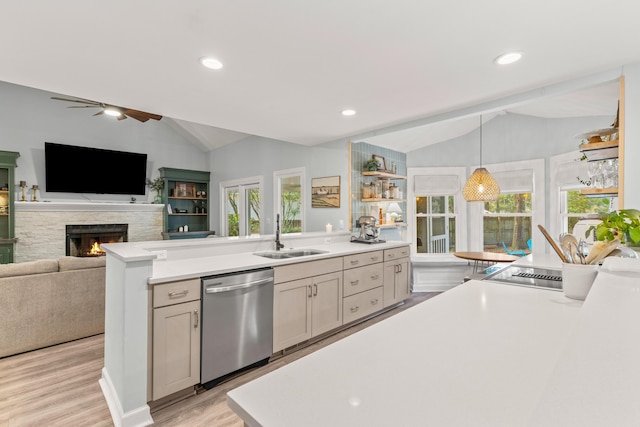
(85, 240)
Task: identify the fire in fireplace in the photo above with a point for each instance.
(85, 240)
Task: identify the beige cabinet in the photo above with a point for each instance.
(306, 307)
(176, 337)
(396, 275)
(363, 285)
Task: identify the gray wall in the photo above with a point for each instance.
(257, 156)
(28, 118)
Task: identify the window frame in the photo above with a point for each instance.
(277, 193)
(459, 213)
(538, 203)
(243, 184)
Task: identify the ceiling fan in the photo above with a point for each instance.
(120, 113)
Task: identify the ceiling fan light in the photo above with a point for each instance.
(348, 112)
(112, 111)
(211, 63)
(481, 187)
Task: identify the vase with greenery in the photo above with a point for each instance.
(371, 164)
(623, 224)
(156, 185)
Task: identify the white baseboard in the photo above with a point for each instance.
(139, 417)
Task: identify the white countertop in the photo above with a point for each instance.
(181, 269)
(481, 354)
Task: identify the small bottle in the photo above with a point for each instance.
(186, 228)
(381, 217)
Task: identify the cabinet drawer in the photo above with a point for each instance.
(396, 253)
(359, 260)
(362, 304)
(362, 279)
(176, 292)
(287, 273)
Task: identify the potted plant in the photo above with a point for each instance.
(156, 185)
(371, 164)
(623, 224)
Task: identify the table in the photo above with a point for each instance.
(483, 257)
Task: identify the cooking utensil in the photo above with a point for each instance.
(553, 244)
(600, 251)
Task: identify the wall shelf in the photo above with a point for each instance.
(599, 192)
(384, 175)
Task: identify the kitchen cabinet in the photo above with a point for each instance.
(7, 198)
(175, 337)
(186, 197)
(363, 285)
(396, 275)
(306, 305)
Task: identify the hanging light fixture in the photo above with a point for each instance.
(481, 186)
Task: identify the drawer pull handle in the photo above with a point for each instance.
(392, 255)
(375, 277)
(374, 258)
(354, 282)
(374, 301)
(315, 290)
(178, 294)
(405, 253)
(354, 261)
(310, 293)
(195, 314)
(354, 309)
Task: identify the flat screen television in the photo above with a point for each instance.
(73, 169)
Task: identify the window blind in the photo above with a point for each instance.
(436, 185)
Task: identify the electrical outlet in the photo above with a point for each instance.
(327, 240)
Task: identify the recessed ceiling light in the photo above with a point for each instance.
(348, 112)
(212, 63)
(508, 58)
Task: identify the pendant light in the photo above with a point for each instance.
(481, 186)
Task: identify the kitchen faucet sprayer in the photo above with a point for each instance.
(278, 244)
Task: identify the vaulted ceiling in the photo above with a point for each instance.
(291, 66)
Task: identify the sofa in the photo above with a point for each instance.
(50, 301)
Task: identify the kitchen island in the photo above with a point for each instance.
(135, 269)
(481, 354)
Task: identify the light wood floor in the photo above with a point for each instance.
(58, 386)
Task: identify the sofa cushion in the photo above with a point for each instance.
(80, 263)
(30, 267)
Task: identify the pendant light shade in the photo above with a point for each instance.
(481, 186)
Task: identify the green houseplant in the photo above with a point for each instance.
(156, 185)
(623, 224)
(371, 164)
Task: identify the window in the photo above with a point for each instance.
(567, 174)
(434, 200)
(435, 224)
(289, 201)
(511, 218)
(241, 207)
(507, 223)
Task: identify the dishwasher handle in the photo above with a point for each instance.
(214, 288)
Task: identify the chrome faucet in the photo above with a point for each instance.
(278, 244)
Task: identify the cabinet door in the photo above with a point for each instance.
(176, 348)
(326, 303)
(291, 313)
(396, 281)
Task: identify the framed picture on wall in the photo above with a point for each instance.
(325, 192)
(185, 189)
(382, 165)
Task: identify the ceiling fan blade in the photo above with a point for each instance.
(79, 100)
(141, 115)
(99, 112)
(121, 117)
(84, 106)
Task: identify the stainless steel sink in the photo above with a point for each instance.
(294, 253)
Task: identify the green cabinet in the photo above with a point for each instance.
(186, 198)
(7, 198)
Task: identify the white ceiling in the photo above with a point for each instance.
(291, 66)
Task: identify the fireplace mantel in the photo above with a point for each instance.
(86, 206)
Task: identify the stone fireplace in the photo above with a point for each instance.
(41, 227)
(84, 240)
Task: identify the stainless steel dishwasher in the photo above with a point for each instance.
(237, 323)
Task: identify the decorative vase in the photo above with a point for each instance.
(157, 199)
